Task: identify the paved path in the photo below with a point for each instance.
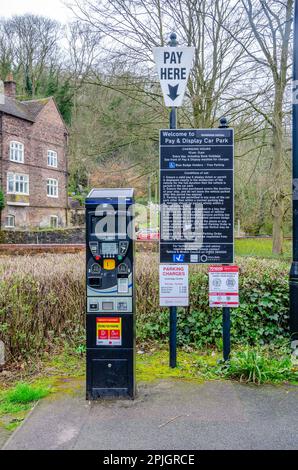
(167, 415)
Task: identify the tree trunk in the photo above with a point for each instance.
(278, 217)
(277, 164)
(260, 219)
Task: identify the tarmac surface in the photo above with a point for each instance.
(166, 415)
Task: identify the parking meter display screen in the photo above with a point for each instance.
(109, 248)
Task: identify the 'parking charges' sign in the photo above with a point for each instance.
(173, 285)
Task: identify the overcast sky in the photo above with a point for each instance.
(51, 8)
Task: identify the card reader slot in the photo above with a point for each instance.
(95, 281)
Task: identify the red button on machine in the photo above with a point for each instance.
(97, 257)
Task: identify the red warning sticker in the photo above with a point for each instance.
(108, 331)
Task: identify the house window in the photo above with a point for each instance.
(52, 187)
(10, 221)
(54, 221)
(52, 158)
(16, 152)
(17, 183)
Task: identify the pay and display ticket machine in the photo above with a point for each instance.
(110, 321)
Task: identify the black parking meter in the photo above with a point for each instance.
(110, 305)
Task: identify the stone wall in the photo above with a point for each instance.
(71, 236)
(62, 236)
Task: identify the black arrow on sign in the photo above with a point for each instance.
(173, 92)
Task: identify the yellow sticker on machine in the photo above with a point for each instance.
(108, 331)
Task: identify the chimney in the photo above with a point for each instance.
(10, 86)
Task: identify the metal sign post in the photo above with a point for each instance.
(196, 184)
(226, 312)
(294, 268)
(224, 293)
(173, 310)
(162, 56)
(226, 332)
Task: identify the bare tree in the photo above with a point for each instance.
(218, 63)
(82, 50)
(130, 29)
(6, 54)
(267, 45)
(241, 69)
(34, 41)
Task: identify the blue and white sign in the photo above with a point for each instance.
(173, 66)
(178, 258)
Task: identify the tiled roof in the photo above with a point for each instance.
(16, 108)
(35, 106)
(27, 110)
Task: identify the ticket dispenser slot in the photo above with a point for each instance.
(110, 302)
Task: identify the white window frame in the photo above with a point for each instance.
(52, 158)
(57, 221)
(52, 187)
(16, 151)
(17, 179)
(10, 216)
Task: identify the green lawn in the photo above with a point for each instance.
(261, 247)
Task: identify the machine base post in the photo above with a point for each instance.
(294, 303)
(226, 333)
(173, 337)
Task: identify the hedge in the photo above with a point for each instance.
(42, 303)
(261, 318)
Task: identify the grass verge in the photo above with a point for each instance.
(261, 248)
(17, 401)
(257, 367)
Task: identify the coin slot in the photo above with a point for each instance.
(122, 268)
(95, 268)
